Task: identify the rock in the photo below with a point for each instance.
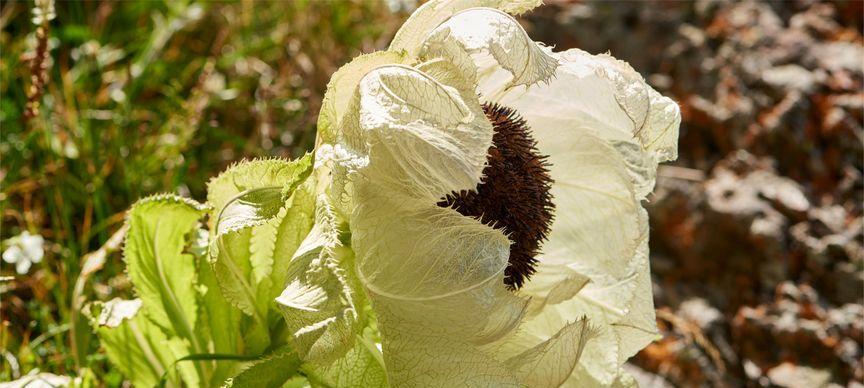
(840, 56)
(801, 326)
(753, 371)
(790, 77)
(791, 376)
(698, 311)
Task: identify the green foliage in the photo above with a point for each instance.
(164, 276)
(272, 371)
(134, 344)
(141, 98)
(253, 200)
(194, 303)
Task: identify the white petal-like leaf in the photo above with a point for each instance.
(427, 140)
(343, 85)
(598, 229)
(551, 362)
(495, 40)
(430, 15)
(606, 97)
(434, 276)
(638, 327)
(361, 367)
(435, 279)
(407, 136)
(416, 359)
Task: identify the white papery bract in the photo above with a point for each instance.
(400, 129)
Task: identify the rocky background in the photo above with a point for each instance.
(756, 231)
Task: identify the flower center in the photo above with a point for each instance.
(513, 194)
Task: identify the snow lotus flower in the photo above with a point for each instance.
(478, 202)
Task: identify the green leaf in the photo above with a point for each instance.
(252, 176)
(319, 301)
(251, 200)
(254, 210)
(164, 275)
(272, 371)
(233, 270)
(133, 343)
(222, 320)
(291, 231)
(204, 357)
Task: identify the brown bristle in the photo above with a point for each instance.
(513, 194)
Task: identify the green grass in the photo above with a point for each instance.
(145, 97)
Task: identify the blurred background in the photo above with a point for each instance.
(756, 230)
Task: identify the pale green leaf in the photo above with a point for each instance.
(270, 372)
(318, 303)
(251, 176)
(133, 344)
(290, 232)
(232, 267)
(164, 276)
(189, 372)
(249, 208)
(253, 201)
(221, 320)
(243, 262)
